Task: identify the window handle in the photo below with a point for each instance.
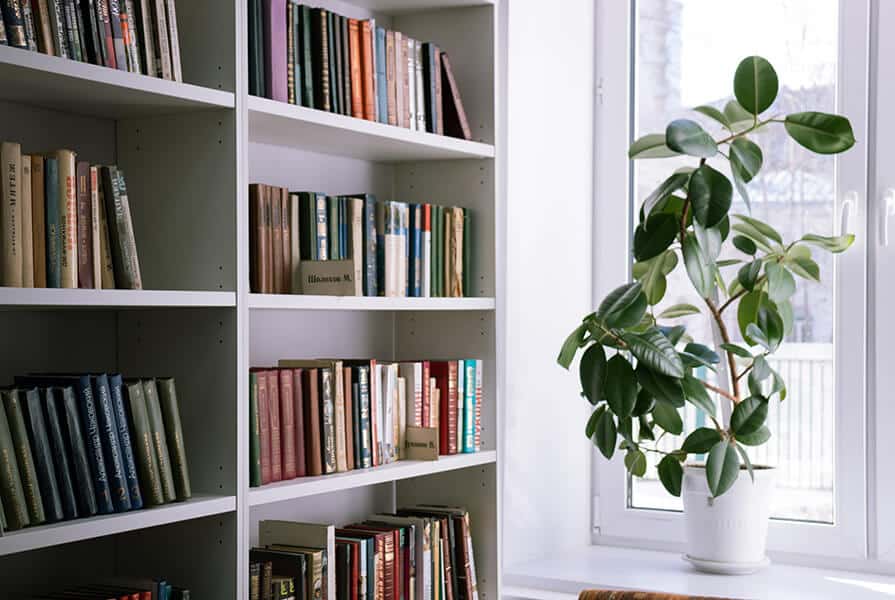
(849, 204)
(887, 209)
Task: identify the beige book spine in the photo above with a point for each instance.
(341, 446)
(10, 216)
(456, 256)
(68, 218)
(402, 415)
(38, 221)
(27, 234)
(357, 243)
(95, 209)
(107, 268)
(174, 41)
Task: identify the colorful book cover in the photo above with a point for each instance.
(54, 229)
(469, 409)
(381, 77)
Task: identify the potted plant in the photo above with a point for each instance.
(639, 369)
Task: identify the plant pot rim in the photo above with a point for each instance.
(742, 467)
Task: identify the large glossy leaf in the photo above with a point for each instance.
(695, 393)
(748, 274)
(592, 372)
(623, 307)
(746, 158)
(710, 195)
(745, 458)
(621, 386)
(699, 268)
(674, 182)
(722, 467)
(710, 239)
(741, 188)
(739, 117)
(706, 355)
(747, 312)
(798, 260)
(651, 145)
(714, 114)
(652, 273)
(591, 426)
(666, 416)
(656, 351)
(749, 415)
(671, 474)
(661, 386)
(762, 227)
(653, 237)
(737, 350)
(756, 438)
(831, 244)
(645, 430)
(755, 84)
(688, 137)
(781, 284)
(605, 434)
(570, 346)
(744, 244)
(771, 323)
(635, 462)
(673, 334)
(784, 308)
(701, 440)
(820, 132)
(678, 310)
(644, 404)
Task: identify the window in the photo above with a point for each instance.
(683, 54)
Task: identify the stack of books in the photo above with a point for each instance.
(65, 223)
(121, 588)
(316, 417)
(394, 248)
(75, 446)
(316, 58)
(139, 36)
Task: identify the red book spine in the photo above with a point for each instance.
(298, 412)
(355, 566)
(367, 73)
(452, 407)
(106, 31)
(264, 426)
(85, 227)
(374, 413)
(427, 401)
(287, 423)
(357, 94)
(440, 373)
(276, 457)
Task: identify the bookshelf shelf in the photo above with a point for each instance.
(64, 532)
(302, 302)
(75, 87)
(79, 298)
(403, 469)
(404, 6)
(282, 124)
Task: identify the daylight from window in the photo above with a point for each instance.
(685, 51)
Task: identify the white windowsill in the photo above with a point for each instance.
(562, 576)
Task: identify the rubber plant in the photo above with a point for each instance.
(638, 368)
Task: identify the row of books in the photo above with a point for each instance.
(120, 588)
(394, 248)
(316, 417)
(65, 223)
(74, 446)
(320, 59)
(422, 551)
(139, 36)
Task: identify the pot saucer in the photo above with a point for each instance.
(727, 568)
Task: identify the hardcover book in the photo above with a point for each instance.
(144, 445)
(159, 438)
(30, 484)
(12, 492)
(167, 392)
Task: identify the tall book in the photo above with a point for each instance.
(262, 393)
(306, 51)
(422, 111)
(159, 438)
(366, 444)
(121, 230)
(479, 377)
(27, 234)
(348, 393)
(415, 259)
(11, 210)
(298, 412)
(400, 75)
(57, 23)
(274, 12)
(112, 448)
(276, 239)
(128, 461)
(426, 253)
(431, 70)
(68, 219)
(273, 407)
(256, 49)
(15, 23)
(346, 66)
(62, 455)
(42, 454)
(295, 242)
(85, 226)
(445, 374)
(258, 239)
(167, 392)
(356, 247)
(16, 418)
(320, 59)
(12, 492)
(145, 29)
(412, 372)
(38, 220)
(287, 422)
(340, 432)
(381, 76)
(160, 18)
(96, 265)
(290, 54)
(461, 404)
(174, 40)
(455, 123)
(106, 264)
(143, 444)
(368, 72)
(313, 442)
(455, 258)
(42, 27)
(409, 52)
(390, 78)
(254, 432)
(469, 410)
(118, 44)
(356, 70)
(30, 31)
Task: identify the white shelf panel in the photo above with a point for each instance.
(12, 297)
(403, 469)
(406, 6)
(309, 302)
(76, 87)
(282, 124)
(32, 538)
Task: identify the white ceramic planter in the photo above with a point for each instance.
(727, 534)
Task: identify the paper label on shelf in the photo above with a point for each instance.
(421, 443)
(327, 277)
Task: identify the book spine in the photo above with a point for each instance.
(286, 227)
(96, 266)
(159, 438)
(26, 217)
(287, 422)
(254, 433)
(107, 267)
(421, 109)
(276, 214)
(346, 67)
(428, 54)
(391, 91)
(400, 58)
(43, 456)
(313, 453)
(332, 225)
(85, 227)
(307, 57)
(144, 447)
(320, 33)
(356, 70)
(111, 444)
(129, 33)
(357, 436)
(68, 219)
(327, 420)
(174, 41)
(417, 264)
(42, 26)
(339, 429)
(30, 30)
(369, 241)
(477, 413)
(11, 157)
(375, 410)
(128, 462)
(410, 96)
(167, 392)
(366, 456)
(91, 32)
(455, 121)
(104, 34)
(16, 418)
(123, 245)
(71, 31)
(298, 413)
(469, 406)
(57, 24)
(349, 419)
(12, 492)
(264, 426)
(38, 222)
(381, 77)
(322, 239)
(159, 15)
(15, 24)
(117, 35)
(90, 424)
(147, 43)
(368, 72)
(466, 252)
(290, 56)
(294, 12)
(426, 251)
(461, 404)
(335, 61)
(439, 101)
(273, 406)
(456, 257)
(356, 246)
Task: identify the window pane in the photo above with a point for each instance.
(687, 51)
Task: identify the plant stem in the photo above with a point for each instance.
(741, 293)
(722, 328)
(718, 390)
(758, 125)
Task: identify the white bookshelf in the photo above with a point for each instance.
(189, 151)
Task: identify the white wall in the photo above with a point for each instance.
(546, 479)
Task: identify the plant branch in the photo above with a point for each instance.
(745, 371)
(757, 125)
(741, 293)
(722, 328)
(719, 391)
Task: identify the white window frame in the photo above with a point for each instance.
(614, 521)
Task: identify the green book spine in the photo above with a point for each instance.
(167, 393)
(159, 439)
(11, 490)
(335, 100)
(3, 525)
(467, 238)
(307, 94)
(141, 435)
(293, 9)
(439, 262)
(16, 417)
(61, 462)
(42, 455)
(254, 433)
(332, 220)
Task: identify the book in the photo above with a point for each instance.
(312, 419)
(409, 52)
(30, 32)
(455, 122)
(298, 411)
(431, 68)
(381, 75)
(415, 262)
(287, 422)
(16, 419)
(161, 36)
(67, 219)
(143, 444)
(147, 37)
(320, 59)
(368, 73)
(53, 225)
(274, 12)
(41, 13)
(107, 267)
(400, 76)
(276, 240)
(10, 210)
(254, 433)
(258, 239)
(422, 111)
(55, 428)
(307, 60)
(256, 49)
(118, 45)
(273, 407)
(159, 438)
(121, 231)
(14, 20)
(356, 246)
(479, 377)
(349, 417)
(290, 54)
(390, 79)
(346, 65)
(12, 492)
(96, 264)
(42, 453)
(469, 408)
(84, 226)
(112, 446)
(426, 250)
(174, 40)
(167, 392)
(27, 233)
(262, 393)
(38, 221)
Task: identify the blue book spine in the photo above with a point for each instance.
(381, 76)
(54, 232)
(322, 238)
(124, 438)
(108, 429)
(371, 282)
(469, 407)
(95, 446)
(416, 241)
(60, 454)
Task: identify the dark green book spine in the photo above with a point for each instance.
(467, 253)
(295, 23)
(147, 462)
(346, 67)
(129, 464)
(429, 58)
(121, 241)
(108, 432)
(167, 393)
(320, 57)
(64, 405)
(335, 101)
(332, 222)
(254, 433)
(53, 227)
(159, 439)
(43, 456)
(307, 74)
(16, 417)
(11, 490)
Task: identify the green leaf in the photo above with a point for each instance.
(666, 416)
(651, 275)
(745, 458)
(737, 350)
(744, 244)
(766, 230)
(756, 438)
(777, 386)
(621, 386)
(747, 312)
(570, 346)
(758, 336)
(706, 355)
(761, 370)
(644, 404)
(738, 116)
(671, 474)
(835, 244)
(781, 284)
(710, 194)
(749, 415)
(623, 307)
(699, 268)
(635, 462)
(771, 323)
(651, 145)
(678, 310)
(660, 386)
(656, 351)
(645, 431)
(653, 237)
(701, 440)
(592, 372)
(625, 427)
(740, 185)
(710, 239)
(746, 158)
(675, 182)
(728, 262)
(695, 393)
(755, 84)
(722, 468)
(673, 334)
(592, 421)
(804, 267)
(820, 132)
(714, 114)
(605, 434)
(687, 137)
(748, 274)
